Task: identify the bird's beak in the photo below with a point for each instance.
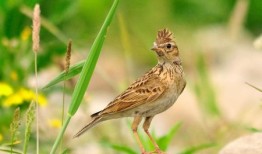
(155, 48)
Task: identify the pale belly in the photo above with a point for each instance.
(152, 108)
(159, 106)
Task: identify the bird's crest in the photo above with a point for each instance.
(163, 36)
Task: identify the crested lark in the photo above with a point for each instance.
(153, 93)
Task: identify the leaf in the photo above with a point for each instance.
(148, 145)
(204, 89)
(66, 151)
(165, 140)
(86, 73)
(194, 149)
(73, 71)
(253, 129)
(120, 148)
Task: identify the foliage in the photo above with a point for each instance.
(164, 141)
(14, 127)
(30, 116)
(204, 89)
(86, 73)
(194, 149)
(80, 20)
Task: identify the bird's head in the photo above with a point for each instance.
(166, 47)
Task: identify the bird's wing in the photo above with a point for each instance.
(145, 90)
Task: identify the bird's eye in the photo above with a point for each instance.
(168, 46)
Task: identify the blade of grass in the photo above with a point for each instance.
(204, 89)
(253, 129)
(119, 148)
(86, 73)
(72, 71)
(165, 140)
(195, 149)
(76, 69)
(30, 116)
(146, 142)
(126, 43)
(258, 89)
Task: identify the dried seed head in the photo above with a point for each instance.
(16, 122)
(30, 113)
(36, 28)
(68, 55)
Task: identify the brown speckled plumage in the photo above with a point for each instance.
(151, 94)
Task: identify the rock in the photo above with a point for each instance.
(250, 144)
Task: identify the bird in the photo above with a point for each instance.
(153, 93)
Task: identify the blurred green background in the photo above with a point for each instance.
(215, 39)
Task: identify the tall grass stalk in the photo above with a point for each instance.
(204, 89)
(46, 24)
(67, 65)
(14, 126)
(86, 74)
(36, 40)
(30, 116)
(238, 17)
(125, 41)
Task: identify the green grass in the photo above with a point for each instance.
(195, 149)
(130, 38)
(29, 120)
(73, 71)
(164, 143)
(204, 89)
(86, 73)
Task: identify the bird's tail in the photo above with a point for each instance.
(88, 126)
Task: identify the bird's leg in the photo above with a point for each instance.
(146, 127)
(135, 124)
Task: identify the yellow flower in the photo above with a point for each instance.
(1, 137)
(14, 99)
(25, 33)
(5, 89)
(29, 95)
(55, 123)
(42, 100)
(24, 95)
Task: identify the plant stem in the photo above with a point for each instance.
(86, 73)
(63, 112)
(36, 104)
(61, 133)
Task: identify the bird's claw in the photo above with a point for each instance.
(157, 151)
